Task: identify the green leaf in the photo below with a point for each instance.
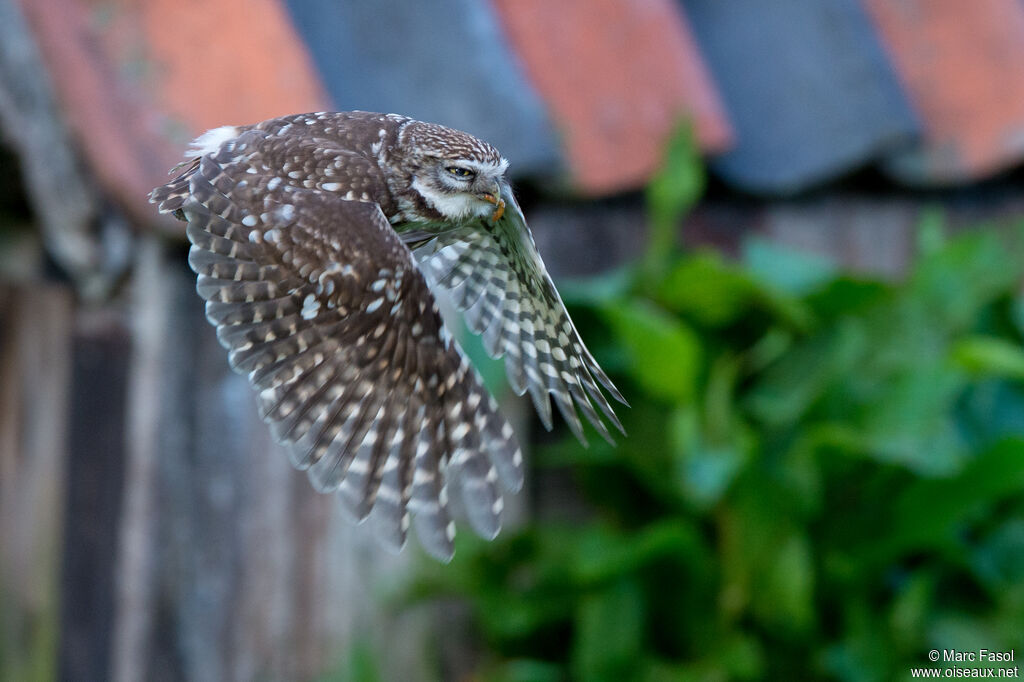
(603, 555)
(931, 231)
(990, 410)
(678, 184)
(794, 272)
(766, 560)
(1017, 313)
(966, 632)
(706, 472)
(732, 657)
(711, 292)
(671, 193)
(990, 355)
(911, 608)
(664, 354)
(789, 388)
(784, 593)
(955, 281)
(708, 457)
(864, 653)
(909, 421)
(705, 289)
(526, 670)
(741, 657)
(609, 633)
(846, 295)
(929, 511)
(999, 560)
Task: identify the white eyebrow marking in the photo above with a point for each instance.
(486, 167)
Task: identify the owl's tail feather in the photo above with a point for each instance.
(171, 197)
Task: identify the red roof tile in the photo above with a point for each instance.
(617, 75)
(228, 61)
(135, 84)
(963, 68)
(109, 123)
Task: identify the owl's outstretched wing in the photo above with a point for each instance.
(321, 305)
(496, 276)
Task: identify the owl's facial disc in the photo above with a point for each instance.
(462, 189)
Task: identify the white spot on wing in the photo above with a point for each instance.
(211, 141)
(310, 307)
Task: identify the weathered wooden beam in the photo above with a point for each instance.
(93, 497)
(35, 368)
(230, 565)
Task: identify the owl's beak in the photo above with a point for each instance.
(494, 197)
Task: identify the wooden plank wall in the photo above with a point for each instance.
(226, 553)
(149, 527)
(35, 370)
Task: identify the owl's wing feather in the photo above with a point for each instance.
(321, 305)
(496, 277)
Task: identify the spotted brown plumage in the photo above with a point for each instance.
(301, 229)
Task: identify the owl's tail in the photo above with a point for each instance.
(170, 197)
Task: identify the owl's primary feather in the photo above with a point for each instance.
(299, 229)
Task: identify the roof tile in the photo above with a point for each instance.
(444, 61)
(137, 84)
(617, 76)
(807, 86)
(964, 71)
(109, 122)
(221, 62)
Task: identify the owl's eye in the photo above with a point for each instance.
(462, 173)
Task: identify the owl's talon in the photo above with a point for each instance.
(499, 204)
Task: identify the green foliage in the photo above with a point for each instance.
(663, 352)
(670, 195)
(823, 478)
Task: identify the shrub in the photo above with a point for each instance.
(823, 477)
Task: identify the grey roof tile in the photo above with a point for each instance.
(444, 61)
(808, 88)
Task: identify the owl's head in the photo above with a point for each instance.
(460, 176)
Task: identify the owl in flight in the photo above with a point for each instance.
(317, 239)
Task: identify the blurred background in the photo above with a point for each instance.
(792, 231)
